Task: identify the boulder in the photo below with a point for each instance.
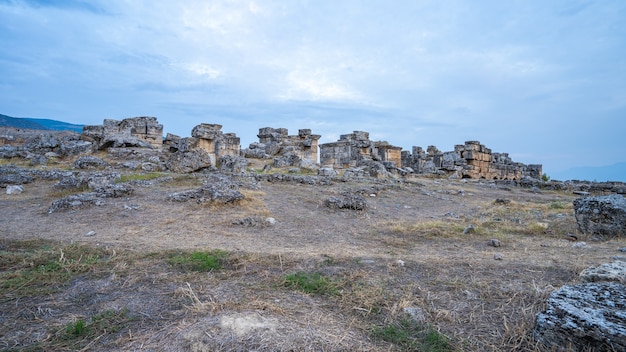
(587, 316)
(308, 164)
(615, 271)
(347, 200)
(188, 161)
(212, 193)
(207, 131)
(326, 171)
(233, 164)
(96, 197)
(289, 159)
(15, 189)
(601, 216)
(89, 162)
(13, 175)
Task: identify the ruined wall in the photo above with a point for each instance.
(277, 142)
(469, 160)
(142, 131)
(356, 149)
(210, 138)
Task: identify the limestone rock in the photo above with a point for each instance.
(13, 175)
(92, 198)
(15, 189)
(469, 230)
(602, 216)
(142, 132)
(326, 171)
(89, 162)
(208, 193)
(346, 201)
(584, 317)
(615, 271)
(494, 243)
(207, 131)
(233, 164)
(189, 161)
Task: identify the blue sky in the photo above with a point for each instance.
(544, 81)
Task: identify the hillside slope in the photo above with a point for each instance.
(38, 124)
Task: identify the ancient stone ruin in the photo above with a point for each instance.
(205, 146)
(277, 142)
(356, 149)
(469, 160)
(142, 136)
(143, 131)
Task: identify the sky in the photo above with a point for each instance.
(544, 81)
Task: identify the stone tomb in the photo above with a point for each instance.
(354, 149)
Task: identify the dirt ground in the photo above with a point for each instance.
(407, 250)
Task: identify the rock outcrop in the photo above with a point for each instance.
(584, 317)
(601, 216)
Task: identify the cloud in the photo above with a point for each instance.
(522, 77)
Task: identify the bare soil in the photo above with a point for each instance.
(406, 250)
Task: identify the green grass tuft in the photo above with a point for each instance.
(314, 283)
(412, 336)
(200, 261)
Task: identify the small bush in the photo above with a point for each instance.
(314, 283)
(200, 261)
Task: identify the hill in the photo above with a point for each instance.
(38, 124)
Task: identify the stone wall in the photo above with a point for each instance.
(354, 149)
(469, 160)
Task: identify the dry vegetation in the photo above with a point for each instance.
(160, 275)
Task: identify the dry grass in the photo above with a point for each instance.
(407, 250)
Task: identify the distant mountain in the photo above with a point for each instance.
(615, 172)
(38, 124)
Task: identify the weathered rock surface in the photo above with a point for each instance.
(584, 317)
(15, 189)
(217, 188)
(89, 162)
(142, 132)
(309, 180)
(615, 271)
(91, 198)
(233, 164)
(602, 216)
(13, 175)
(189, 161)
(214, 193)
(347, 200)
